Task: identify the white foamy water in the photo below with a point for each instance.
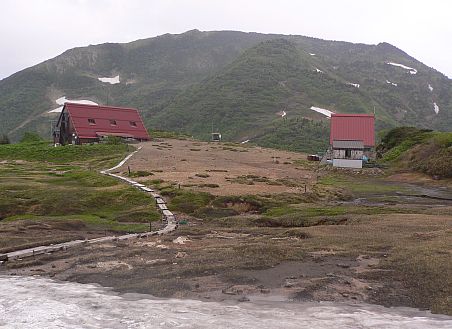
(33, 302)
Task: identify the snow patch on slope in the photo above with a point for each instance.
(111, 81)
(430, 87)
(356, 85)
(410, 69)
(318, 71)
(325, 112)
(312, 54)
(62, 100)
(436, 108)
(391, 83)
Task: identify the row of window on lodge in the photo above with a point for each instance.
(112, 122)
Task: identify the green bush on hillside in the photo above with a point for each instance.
(421, 150)
(31, 137)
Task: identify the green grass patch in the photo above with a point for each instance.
(41, 190)
(92, 222)
(44, 152)
(187, 201)
(359, 185)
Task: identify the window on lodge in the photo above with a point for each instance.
(348, 154)
(113, 123)
(133, 123)
(91, 121)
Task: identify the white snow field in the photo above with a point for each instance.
(430, 87)
(111, 81)
(410, 69)
(318, 71)
(325, 112)
(391, 83)
(436, 108)
(62, 100)
(356, 85)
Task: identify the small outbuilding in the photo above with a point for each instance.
(352, 139)
(348, 154)
(216, 137)
(82, 123)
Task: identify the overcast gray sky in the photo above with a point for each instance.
(35, 30)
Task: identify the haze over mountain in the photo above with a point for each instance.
(247, 85)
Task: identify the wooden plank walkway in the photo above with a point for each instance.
(167, 216)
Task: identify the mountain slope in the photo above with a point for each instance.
(151, 71)
(239, 82)
(247, 97)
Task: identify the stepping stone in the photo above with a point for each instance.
(167, 213)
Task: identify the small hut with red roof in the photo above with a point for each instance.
(82, 123)
(352, 139)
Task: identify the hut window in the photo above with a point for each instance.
(348, 154)
(133, 123)
(113, 123)
(91, 121)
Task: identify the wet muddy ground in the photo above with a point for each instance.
(355, 262)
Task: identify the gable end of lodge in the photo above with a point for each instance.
(82, 123)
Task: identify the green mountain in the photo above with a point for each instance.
(239, 83)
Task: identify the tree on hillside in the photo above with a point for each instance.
(31, 137)
(4, 139)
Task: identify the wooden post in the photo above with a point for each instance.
(128, 168)
(150, 226)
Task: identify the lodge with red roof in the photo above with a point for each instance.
(352, 139)
(82, 123)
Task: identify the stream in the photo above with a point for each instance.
(36, 302)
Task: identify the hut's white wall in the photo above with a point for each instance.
(346, 163)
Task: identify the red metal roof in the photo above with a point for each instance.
(108, 120)
(353, 127)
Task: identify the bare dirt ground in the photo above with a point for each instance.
(194, 164)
